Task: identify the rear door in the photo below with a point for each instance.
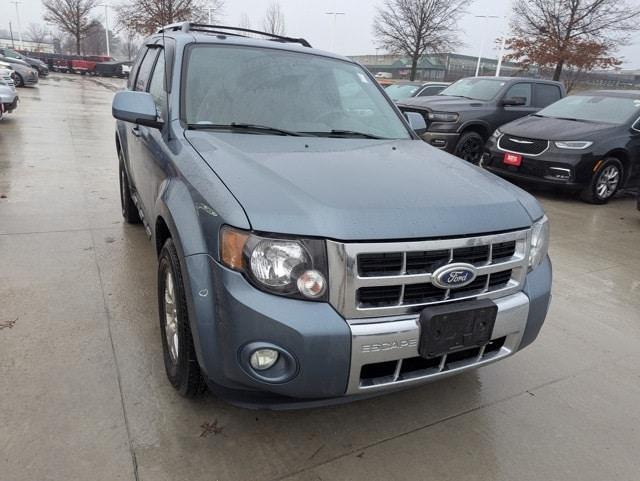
(545, 94)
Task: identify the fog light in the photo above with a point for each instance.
(311, 284)
(263, 359)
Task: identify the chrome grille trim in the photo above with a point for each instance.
(499, 145)
(345, 279)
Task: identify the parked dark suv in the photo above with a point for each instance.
(307, 251)
(589, 142)
(462, 117)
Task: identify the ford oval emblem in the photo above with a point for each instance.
(453, 276)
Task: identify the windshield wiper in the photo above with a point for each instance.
(246, 127)
(349, 133)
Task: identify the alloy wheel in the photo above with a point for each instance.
(471, 150)
(171, 317)
(608, 181)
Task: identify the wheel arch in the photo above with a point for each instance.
(484, 130)
(624, 158)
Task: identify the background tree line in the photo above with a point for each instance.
(578, 35)
(79, 30)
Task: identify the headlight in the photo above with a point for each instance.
(539, 242)
(289, 267)
(443, 116)
(574, 144)
(496, 134)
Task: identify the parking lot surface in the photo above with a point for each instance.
(83, 393)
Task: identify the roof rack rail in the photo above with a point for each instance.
(231, 31)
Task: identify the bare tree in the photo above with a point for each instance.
(70, 16)
(147, 16)
(564, 26)
(274, 19)
(415, 27)
(245, 21)
(37, 34)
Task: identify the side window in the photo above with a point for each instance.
(545, 94)
(136, 66)
(520, 90)
(156, 87)
(427, 91)
(146, 66)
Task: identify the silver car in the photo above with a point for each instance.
(25, 74)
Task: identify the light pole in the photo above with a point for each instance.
(19, 26)
(106, 27)
(333, 35)
(484, 34)
(502, 46)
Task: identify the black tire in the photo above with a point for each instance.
(605, 182)
(19, 80)
(181, 363)
(129, 209)
(470, 147)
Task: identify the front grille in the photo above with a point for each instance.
(522, 145)
(389, 372)
(386, 279)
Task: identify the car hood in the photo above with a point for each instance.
(353, 189)
(547, 128)
(443, 103)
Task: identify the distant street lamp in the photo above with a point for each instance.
(19, 26)
(333, 35)
(484, 34)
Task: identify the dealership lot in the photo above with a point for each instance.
(84, 394)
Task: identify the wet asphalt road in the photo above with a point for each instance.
(83, 394)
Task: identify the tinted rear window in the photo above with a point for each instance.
(545, 94)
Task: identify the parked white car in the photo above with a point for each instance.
(8, 94)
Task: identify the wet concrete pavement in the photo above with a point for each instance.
(83, 394)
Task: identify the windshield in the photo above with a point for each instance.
(611, 110)
(400, 91)
(475, 88)
(290, 91)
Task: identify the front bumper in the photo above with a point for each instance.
(11, 105)
(446, 141)
(564, 168)
(330, 352)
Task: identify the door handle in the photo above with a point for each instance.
(135, 131)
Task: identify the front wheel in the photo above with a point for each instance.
(19, 80)
(605, 182)
(470, 147)
(180, 361)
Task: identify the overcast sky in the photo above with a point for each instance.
(352, 34)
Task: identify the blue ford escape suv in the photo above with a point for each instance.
(312, 249)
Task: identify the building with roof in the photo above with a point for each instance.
(441, 67)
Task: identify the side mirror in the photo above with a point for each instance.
(513, 102)
(135, 107)
(417, 122)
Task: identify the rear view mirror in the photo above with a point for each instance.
(135, 107)
(417, 122)
(513, 102)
